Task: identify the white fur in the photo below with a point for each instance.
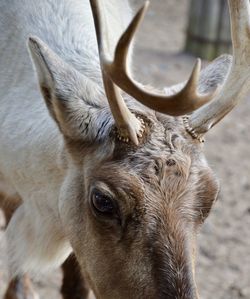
(32, 152)
(31, 146)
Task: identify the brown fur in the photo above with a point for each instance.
(20, 288)
(9, 205)
(164, 191)
(73, 285)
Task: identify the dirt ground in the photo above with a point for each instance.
(223, 268)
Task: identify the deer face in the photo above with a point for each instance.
(131, 205)
(130, 209)
(134, 213)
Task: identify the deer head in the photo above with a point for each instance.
(138, 186)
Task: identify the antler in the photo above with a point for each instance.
(237, 83)
(114, 66)
(127, 124)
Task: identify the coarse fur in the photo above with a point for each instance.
(55, 150)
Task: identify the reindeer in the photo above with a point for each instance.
(105, 167)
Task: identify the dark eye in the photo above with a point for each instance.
(102, 203)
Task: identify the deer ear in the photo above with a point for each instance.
(211, 76)
(71, 98)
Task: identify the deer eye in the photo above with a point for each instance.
(102, 203)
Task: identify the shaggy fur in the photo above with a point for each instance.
(55, 151)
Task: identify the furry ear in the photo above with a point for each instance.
(211, 76)
(73, 100)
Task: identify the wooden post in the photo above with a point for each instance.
(208, 33)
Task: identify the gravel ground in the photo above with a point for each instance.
(224, 243)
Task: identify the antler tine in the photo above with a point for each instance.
(129, 127)
(237, 83)
(122, 48)
(185, 101)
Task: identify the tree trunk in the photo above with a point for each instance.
(208, 33)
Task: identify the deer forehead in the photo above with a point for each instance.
(160, 168)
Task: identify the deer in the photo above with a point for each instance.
(107, 175)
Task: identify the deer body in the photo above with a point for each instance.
(122, 185)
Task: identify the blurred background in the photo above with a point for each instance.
(173, 33)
